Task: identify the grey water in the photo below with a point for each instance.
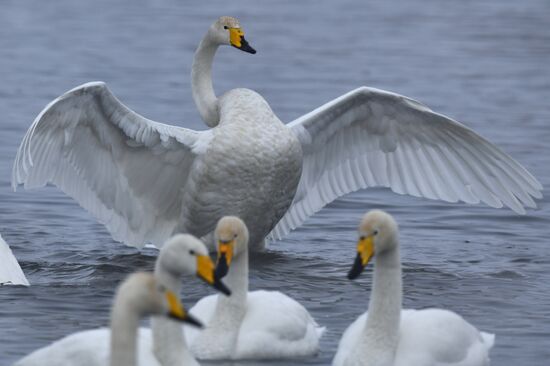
(484, 63)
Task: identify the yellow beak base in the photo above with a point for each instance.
(177, 312)
(235, 35)
(365, 248)
(176, 309)
(365, 251)
(205, 268)
(236, 38)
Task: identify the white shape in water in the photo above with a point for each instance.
(250, 325)
(163, 345)
(386, 335)
(146, 181)
(10, 271)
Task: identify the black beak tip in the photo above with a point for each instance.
(193, 321)
(356, 269)
(245, 46)
(352, 274)
(221, 268)
(220, 286)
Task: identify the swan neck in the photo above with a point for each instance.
(124, 327)
(237, 280)
(201, 81)
(381, 332)
(169, 344)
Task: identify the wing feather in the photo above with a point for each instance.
(128, 171)
(369, 137)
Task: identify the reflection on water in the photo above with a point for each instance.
(482, 63)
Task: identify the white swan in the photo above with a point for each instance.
(146, 180)
(139, 295)
(181, 254)
(164, 345)
(389, 336)
(246, 325)
(10, 271)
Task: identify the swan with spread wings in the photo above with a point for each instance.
(146, 181)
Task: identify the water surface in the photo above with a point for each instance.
(483, 63)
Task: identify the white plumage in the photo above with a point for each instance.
(426, 340)
(374, 138)
(386, 335)
(145, 180)
(10, 271)
(88, 348)
(249, 325)
(164, 343)
(274, 326)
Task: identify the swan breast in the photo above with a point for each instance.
(250, 169)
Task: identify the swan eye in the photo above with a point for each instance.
(225, 27)
(192, 252)
(375, 232)
(362, 237)
(235, 235)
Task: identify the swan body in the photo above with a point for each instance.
(88, 348)
(164, 343)
(274, 326)
(95, 149)
(264, 153)
(425, 340)
(249, 325)
(386, 335)
(10, 270)
(139, 295)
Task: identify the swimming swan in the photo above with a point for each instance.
(164, 344)
(249, 325)
(146, 181)
(139, 295)
(389, 336)
(181, 254)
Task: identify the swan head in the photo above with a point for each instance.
(377, 235)
(143, 295)
(231, 236)
(185, 254)
(227, 31)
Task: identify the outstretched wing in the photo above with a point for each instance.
(128, 171)
(370, 137)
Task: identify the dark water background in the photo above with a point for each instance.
(485, 63)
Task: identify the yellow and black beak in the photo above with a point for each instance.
(225, 254)
(365, 251)
(177, 312)
(236, 38)
(205, 270)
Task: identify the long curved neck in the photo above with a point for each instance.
(124, 326)
(237, 280)
(230, 310)
(381, 333)
(201, 81)
(168, 342)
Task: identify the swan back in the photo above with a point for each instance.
(245, 105)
